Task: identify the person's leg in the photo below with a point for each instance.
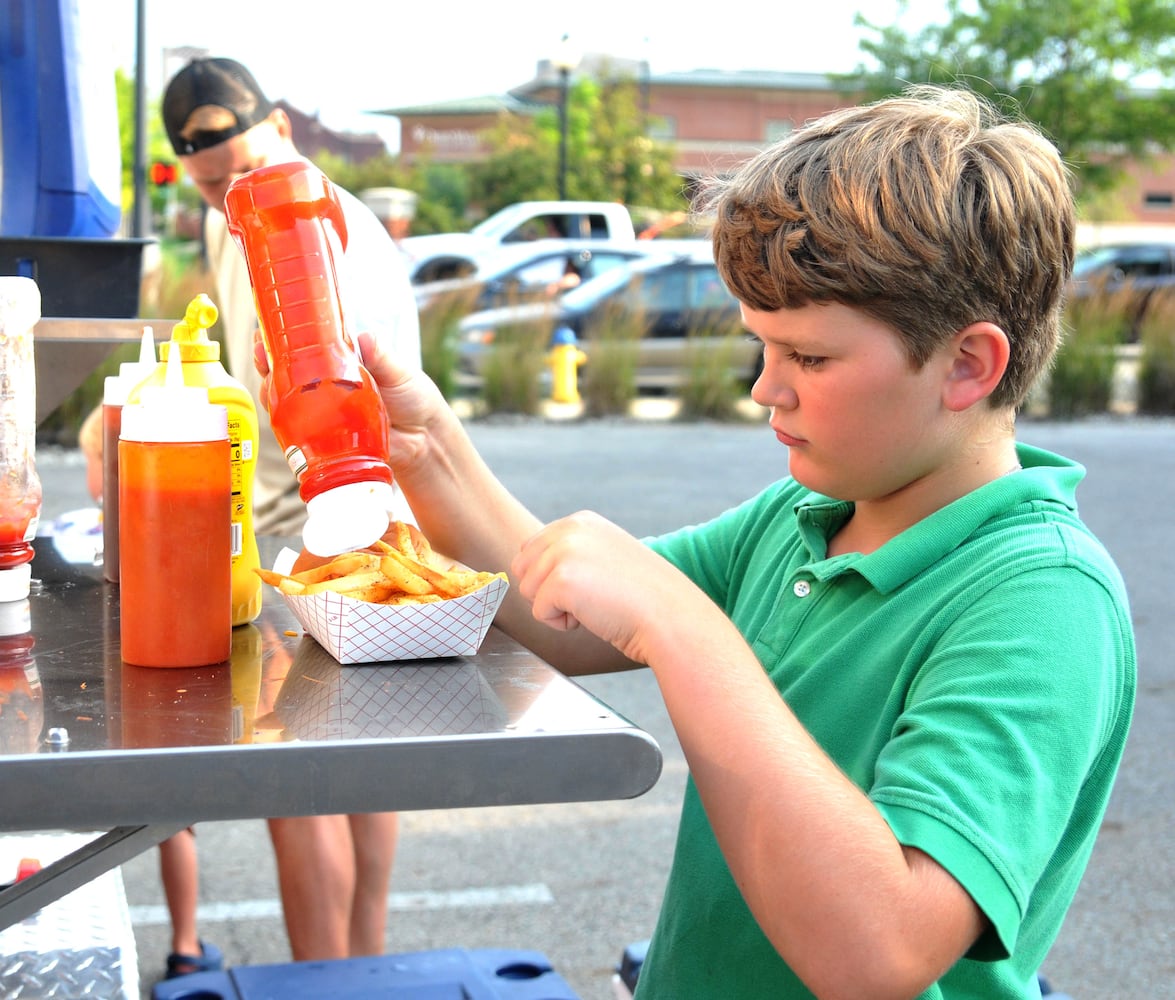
(373, 838)
(180, 874)
(316, 877)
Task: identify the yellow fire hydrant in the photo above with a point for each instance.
(564, 359)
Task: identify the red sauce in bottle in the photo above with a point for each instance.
(18, 520)
(324, 407)
(175, 530)
(174, 553)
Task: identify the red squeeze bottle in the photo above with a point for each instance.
(115, 392)
(324, 406)
(175, 545)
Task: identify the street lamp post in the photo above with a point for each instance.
(564, 62)
(564, 74)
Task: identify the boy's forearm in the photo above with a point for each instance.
(467, 514)
(461, 507)
(818, 866)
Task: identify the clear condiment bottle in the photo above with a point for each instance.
(175, 575)
(20, 486)
(116, 390)
(201, 366)
(324, 406)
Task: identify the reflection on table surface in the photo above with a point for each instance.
(321, 700)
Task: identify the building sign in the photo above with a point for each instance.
(450, 140)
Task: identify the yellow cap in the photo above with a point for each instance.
(191, 333)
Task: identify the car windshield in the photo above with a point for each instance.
(1096, 259)
(585, 296)
(595, 289)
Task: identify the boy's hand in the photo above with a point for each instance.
(584, 570)
(411, 400)
(413, 403)
(409, 396)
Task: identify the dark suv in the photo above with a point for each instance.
(1129, 273)
(680, 299)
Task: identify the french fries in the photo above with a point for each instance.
(400, 568)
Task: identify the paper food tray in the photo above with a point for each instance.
(358, 632)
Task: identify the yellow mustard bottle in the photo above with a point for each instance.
(202, 367)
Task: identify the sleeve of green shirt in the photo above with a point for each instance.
(992, 766)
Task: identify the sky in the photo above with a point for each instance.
(343, 59)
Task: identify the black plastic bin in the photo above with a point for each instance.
(79, 277)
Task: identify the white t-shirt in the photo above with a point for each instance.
(376, 297)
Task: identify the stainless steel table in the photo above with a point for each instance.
(66, 351)
(281, 729)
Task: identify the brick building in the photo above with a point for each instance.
(311, 136)
(713, 118)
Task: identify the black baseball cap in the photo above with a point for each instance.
(232, 101)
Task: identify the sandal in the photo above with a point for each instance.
(209, 960)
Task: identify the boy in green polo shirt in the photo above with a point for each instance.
(902, 676)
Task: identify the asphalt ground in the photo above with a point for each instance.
(578, 882)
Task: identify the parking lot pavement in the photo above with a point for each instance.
(579, 882)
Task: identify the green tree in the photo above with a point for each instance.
(1094, 74)
(609, 156)
(521, 164)
(158, 148)
(440, 188)
(443, 189)
(378, 171)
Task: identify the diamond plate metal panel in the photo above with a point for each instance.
(80, 947)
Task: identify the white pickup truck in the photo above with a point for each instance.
(454, 255)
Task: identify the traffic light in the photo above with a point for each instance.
(163, 174)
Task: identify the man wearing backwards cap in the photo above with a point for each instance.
(334, 871)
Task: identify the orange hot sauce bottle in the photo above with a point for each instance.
(324, 406)
(175, 562)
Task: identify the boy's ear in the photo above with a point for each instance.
(978, 360)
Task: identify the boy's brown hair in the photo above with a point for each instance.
(928, 211)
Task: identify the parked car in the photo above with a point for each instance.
(438, 256)
(1127, 275)
(517, 272)
(679, 296)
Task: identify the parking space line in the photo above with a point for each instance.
(534, 894)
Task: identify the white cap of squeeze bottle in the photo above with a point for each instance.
(174, 411)
(116, 388)
(15, 582)
(347, 517)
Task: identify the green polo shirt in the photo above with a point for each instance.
(974, 677)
